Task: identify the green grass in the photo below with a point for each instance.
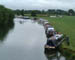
(66, 25)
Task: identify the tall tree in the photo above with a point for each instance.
(6, 15)
(71, 12)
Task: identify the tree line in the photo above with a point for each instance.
(70, 12)
(6, 15)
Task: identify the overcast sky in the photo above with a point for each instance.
(39, 4)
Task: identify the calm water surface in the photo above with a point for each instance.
(26, 42)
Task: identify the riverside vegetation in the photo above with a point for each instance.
(6, 21)
(6, 16)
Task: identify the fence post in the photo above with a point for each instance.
(68, 40)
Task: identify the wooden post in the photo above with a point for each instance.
(67, 40)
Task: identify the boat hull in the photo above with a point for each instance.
(50, 48)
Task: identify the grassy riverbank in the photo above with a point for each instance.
(66, 25)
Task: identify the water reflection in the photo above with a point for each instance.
(69, 54)
(59, 55)
(54, 55)
(4, 29)
(26, 42)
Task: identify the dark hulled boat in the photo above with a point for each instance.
(54, 42)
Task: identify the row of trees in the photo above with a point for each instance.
(6, 21)
(48, 12)
(62, 12)
(6, 15)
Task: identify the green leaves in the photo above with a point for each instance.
(6, 15)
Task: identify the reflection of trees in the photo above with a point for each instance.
(6, 21)
(68, 54)
(4, 29)
(51, 55)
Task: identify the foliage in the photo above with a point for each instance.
(71, 12)
(33, 13)
(6, 21)
(6, 15)
(48, 12)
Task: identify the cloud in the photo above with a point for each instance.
(39, 4)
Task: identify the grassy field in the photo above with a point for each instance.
(65, 25)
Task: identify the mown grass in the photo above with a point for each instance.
(65, 25)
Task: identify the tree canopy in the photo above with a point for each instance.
(6, 15)
(48, 12)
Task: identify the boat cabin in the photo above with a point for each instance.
(53, 41)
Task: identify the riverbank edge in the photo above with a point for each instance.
(64, 47)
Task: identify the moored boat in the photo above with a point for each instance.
(52, 42)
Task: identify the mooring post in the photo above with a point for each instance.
(68, 40)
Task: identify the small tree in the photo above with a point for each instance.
(71, 12)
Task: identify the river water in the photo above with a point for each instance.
(26, 42)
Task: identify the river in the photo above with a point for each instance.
(26, 42)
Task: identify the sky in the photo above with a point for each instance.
(39, 4)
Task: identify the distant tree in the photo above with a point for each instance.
(59, 12)
(18, 12)
(51, 11)
(27, 11)
(33, 13)
(71, 12)
(43, 12)
(22, 12)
